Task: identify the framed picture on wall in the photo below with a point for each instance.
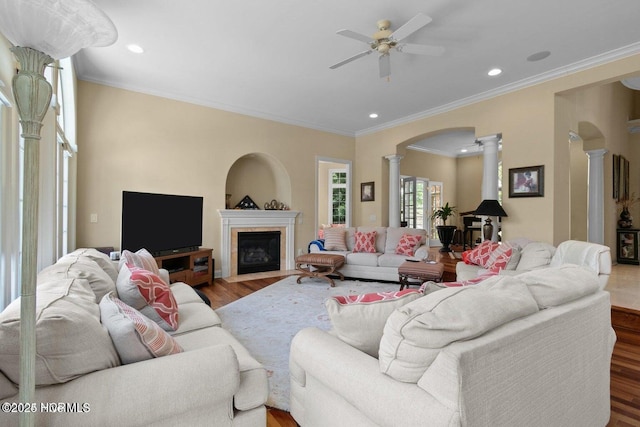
(526, 182)
(367, 192)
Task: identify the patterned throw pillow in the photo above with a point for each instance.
(146, 292)
(500, 257)
(408, 244)
(134, 336)
(334, 239)
(481, 253)
(365, 242)
(141, 259)
(359, 320)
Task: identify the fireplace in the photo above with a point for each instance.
(234, 221)
(258, 251)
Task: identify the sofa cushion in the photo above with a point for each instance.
(70, 340)
(365, 242)
(555, 286)
(141, 259)
(359, 320)
(408, 244)
(135, 336)
(80, 268)
(394, 234)
(535, 255)
(147, 293)
(364, 259)
(391, 260)
(416, 332)
(99, 258)
(7, 388)
(195, 316)
(335, 239)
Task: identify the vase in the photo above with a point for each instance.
(626, 220)
(446, 233)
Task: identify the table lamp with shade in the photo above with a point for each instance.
(489, 208)
(40, 32)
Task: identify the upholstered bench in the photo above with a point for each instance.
(419, 271)
(319, 265)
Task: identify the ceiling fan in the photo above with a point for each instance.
(384, 40)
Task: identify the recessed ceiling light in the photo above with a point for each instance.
(373, 115)
(135, 48)
(538, 56)
(464, 150)
(494, 72)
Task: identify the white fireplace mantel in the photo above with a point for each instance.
(248, 218)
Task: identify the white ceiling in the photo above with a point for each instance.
(271, 59)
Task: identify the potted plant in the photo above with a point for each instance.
(445, 232)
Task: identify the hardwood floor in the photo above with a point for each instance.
(625, 364)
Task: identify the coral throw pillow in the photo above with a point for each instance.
(500, 257)
(365, 242)
(146, 292)
(481, 253)
(408, 244)
(334, 239)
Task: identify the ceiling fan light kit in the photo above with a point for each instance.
(384, 40)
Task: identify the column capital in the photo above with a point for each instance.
(599, 152)
(394, 157)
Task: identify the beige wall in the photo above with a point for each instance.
(534, 124)
(132, 141)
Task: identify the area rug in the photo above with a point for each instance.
(266, 321)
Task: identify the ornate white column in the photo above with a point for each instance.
(595, 196)
(394, 189)
(490, 174)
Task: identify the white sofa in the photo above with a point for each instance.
(213, 381)
(541, 365)
(531, 255)
(382, 265)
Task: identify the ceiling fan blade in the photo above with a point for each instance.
(356, 36)
(385, 65)
(413, 25)
(420, 49)
(353, 58)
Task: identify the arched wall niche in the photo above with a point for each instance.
(259, 176)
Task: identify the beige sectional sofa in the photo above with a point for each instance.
(382, 265)
(212, 381)
(526, 350)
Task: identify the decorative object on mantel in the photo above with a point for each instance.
(40, 32)
(246, 203)
(489, 208)
(626, 220)
(274, 205)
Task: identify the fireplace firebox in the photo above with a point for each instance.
(258, 251)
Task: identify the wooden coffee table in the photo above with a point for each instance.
(319, 265)
(416, 273)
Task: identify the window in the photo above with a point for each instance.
(338, 196)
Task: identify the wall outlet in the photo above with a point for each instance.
(93, 217)
(299, 251)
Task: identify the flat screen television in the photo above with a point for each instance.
(161, 223)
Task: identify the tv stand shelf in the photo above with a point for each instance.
(193, 268)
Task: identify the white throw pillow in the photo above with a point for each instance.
(416, 332)
(70, 340)
(535, 255)
(135, 337)
(359, 320)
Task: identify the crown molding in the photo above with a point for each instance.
(585, 64)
